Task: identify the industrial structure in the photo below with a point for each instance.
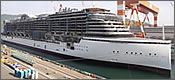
(84, 34)
(139, 6)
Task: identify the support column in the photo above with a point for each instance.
(121, 10)
(155, 20)
(146, 16)
(140, 23)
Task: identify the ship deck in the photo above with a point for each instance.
(131, 39)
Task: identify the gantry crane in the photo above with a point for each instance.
(139, 6)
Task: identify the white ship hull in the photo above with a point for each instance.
(139, 53)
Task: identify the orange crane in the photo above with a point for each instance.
(139, 6)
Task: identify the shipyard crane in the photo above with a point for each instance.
(139, 6)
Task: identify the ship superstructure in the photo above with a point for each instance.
(91, 33)
(87, 22)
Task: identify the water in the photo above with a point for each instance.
(105, 70)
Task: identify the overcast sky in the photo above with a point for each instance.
(166, 14)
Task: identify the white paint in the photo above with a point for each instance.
(103, 51)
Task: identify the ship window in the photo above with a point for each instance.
(72, 48)
(58, 42)
(155, 54)
(149, 53)
(45, 46)
(68, 44)
(117, 51)
(27, 35)
(113, 51)
(38, 45)
(131, 52)
(135, 52)
(57, 49)
(22, 35)
(63, 49)
(126, 52)
(140, 53)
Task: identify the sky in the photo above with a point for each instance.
(165, 16)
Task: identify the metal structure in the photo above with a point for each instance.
(139, 6)
(67, 23)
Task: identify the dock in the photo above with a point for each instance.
(45, 68)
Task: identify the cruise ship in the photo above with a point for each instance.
(91, 33)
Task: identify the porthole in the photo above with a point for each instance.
(135, 52)
(140, 53)
(131, 52)
(149, 53)
(113, 51)
(57, 49)
(34, 44)
(63, 49)
(38, 45)
(117, 51)
(45, 46)
(155, 54)
(126, 52)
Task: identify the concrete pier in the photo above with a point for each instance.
(46, 69)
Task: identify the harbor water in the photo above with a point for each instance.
(105, 70)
